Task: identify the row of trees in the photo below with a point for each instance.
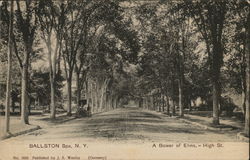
(193, 49)
(91, 39)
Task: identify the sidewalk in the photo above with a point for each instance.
(44, 120)
(225, 125)
(16, 128)
(36, 122)
(204, 122)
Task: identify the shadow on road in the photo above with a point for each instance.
(130, 124)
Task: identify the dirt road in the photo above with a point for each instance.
(128, 125)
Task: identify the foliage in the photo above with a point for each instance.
(40, 86)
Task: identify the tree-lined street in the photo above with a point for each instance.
(118, 70)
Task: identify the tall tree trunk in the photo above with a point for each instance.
(112, 103)
(102, 98)
(216, 18)
(243, 101)
(167, 104)
(24, 94)
(158, 103)
(216, 65)
(53, 78)
(181, 70)
(8, 84)
(88, 96)
(12, 103)
(108, 102)
(246, 129)
(52, 92)
(105, 100)
(172, 106)
(92, 96)
(188, 102)
(180, 85)
(163, 102)
(140, 103)
(52, 101)
(87, 91)
(116, 102)
(153, 105)
(78, 90)
(143, 103)
(189, 105)
(172, 103)
(52, 106)
(96, 98)
(148, 103)
(103, 90)
(159, 100)
(215, 102)
(69, 85)
(243, 83)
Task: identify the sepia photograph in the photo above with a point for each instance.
(124, 79)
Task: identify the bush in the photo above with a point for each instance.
(226, 106)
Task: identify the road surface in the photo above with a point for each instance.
(125, 133)
(127, 125)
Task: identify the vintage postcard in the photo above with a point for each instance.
(124, 79)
